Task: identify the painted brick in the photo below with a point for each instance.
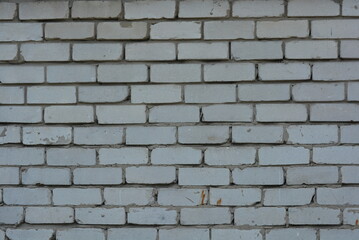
(350, 8)
(7, 10)
(293, 233)
(338, 196)
(353, 90)
(9, 134)
(47, 135)
(121, 30)
(349, 174)
(331, 234)
(253, 234)
(183, 233)
(9, 176)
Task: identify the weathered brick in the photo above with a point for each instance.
(229, 155)
(176, 30)
(96, 9)
(350, 8)
(156, 94)
(69, 114)
(150, 175)
(209, 93)
(22, 74)
(312, 175)
(338, 196)
(336, 71)
(149, 9)
(252, 50)
(284, 71)
(350, 216)
(176, 155)
(98, 135)
(103, 216)
(8, 51)
(203, 9)
(229, 72)
(70, 156)
(258, 8)
(22, 156)
(172, 114)
(128, 196)
(9, 176)
(317, 92)
(229, 30)
(71, 73)
(22, 234)
(27, 196)
(121, 30)
(257, 134)
(81, 234)
(288, 196)
(203, 50)
(46, 176)
(184, 233)
(332, 234)
(258, 176)
(336, 112)
(310, 8)
(7, 10)
(133, 155)
(49, 215)
(115, 114)
(227, 113)
(47, 135)
(353, 91)
(41, 52)
(263, 216)
(12, 95)
(235, 196)
(132, 233)
(203, 176)
(336, 155)
(43, 10)
(283, 155)
(203, 134)
(292, 233)
(152, 216)
(104, 176)
(122, 73)
(263, 92)
(51, 95)
(9, 134)
(205, 216)
(70, 30)
(349, 134)
(102, 94)
(97, 52)
(349, 174)
(311, 50)
(313, 216)
(349, 49)
(11, 215)
(312, 134)
(283, 29)
(176, 73)
(281, 112)
(341, 28)
(21, 32)
(150, 135)
(150, 51)
(77, 196)
(182, 197)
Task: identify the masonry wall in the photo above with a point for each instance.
(179, 120)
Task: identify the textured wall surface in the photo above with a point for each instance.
(179, 120)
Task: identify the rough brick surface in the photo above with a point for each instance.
(179, 119)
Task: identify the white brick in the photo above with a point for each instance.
(288, 196)
(71, 73)
(9, 176)
(229, 72)
(350, 216)
(8, 51)
(312, 134)
(332, 234)
(284, 71)
(46, 176)
(96, 9)
(26, 196)
(104, 176)
(314, 216)
(22, 74)
(257, 134)
(258, 176)
(173, 113)
(176, 73)
(349, 174)
(258, 8)
(349, 134)
(313, 92)
(150, 135)
(350, 8)
(232, 234)
(116, 114)
(41, 52)
(96, 51)
(182, 197)
(11, 215)
(12, 95)
(264, 92)
(176, 155)
(283, 29)
(47, 135)
(103, 94)
(70, 156)
(70, 30)
(263, 216)
(98, 135)
(338, 196)
(77, 196)
(313, 8)
(210, 93)
(229, 155)
(7, 10)
(22, 234)
(292, 233)
(152, 216)
(80, 234)
(103, 216)
(312, 175)
(22, 156)
(203, 50)
(339, 112)
(150, 9)
(281, 112)
(128, 196)
(9, 134)
(156, 94)
(150, 51)
(283, 155)
(150, 175)
(122, 73)
(342, 28)
(335, 71)
(353, 91)
(51, 95)
(43, 10)
(49, 215)
(336, 155)
(122, 30)
(176, 30)
(252, 50)
(235, 196)
(227, 113)
(132, 233)
(21, 32)
(203, 134)
(311, 50)
(203, 176)
(69, 114)
(2, 235)
(184, 233)
(349, 48)
(229, 30)
(203, 9)
(134, 155)
(205, 216)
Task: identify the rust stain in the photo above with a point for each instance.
(357, 222)
(203, 196)
(219, 201)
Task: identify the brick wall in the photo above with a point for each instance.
(179, 120)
